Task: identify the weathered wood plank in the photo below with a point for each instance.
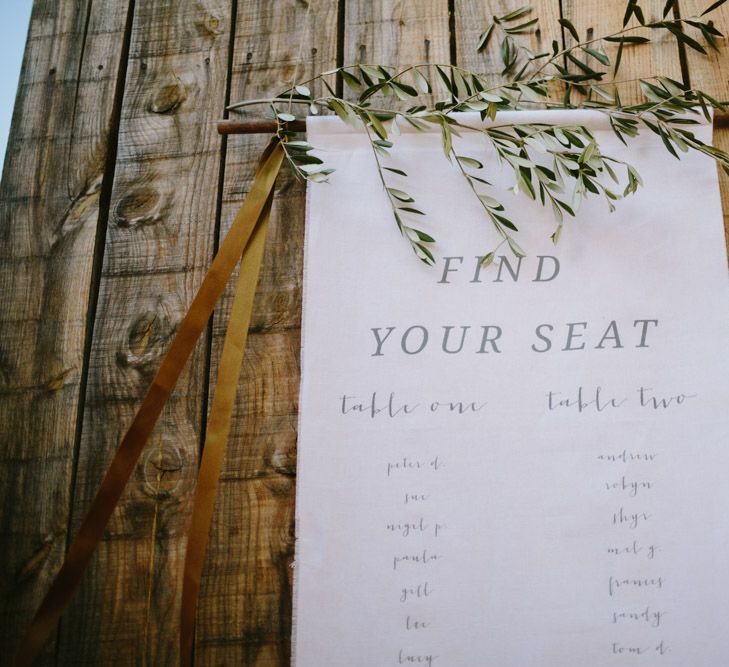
(471, 19)
(244, 616)
(245, 610)
(158, 246)
(63, 126)
(397, 32)
(160, 238)
(604, 17)
(711, 74)
(721, 139)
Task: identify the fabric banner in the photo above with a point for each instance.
(525, 464)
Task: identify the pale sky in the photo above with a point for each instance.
(14, 19)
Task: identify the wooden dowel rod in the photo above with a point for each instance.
(257, 126)
(265, 126)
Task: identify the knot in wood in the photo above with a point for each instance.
(148, 335)
(162, 470)
(59, 380)
(163, 479)
(142, 205)
(34, 564)
(168, 98)
(208, 24)
(283, 459)
(280, 477)
(82, 209)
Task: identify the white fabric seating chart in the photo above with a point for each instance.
(525, 465)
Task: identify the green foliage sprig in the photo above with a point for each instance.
(559, 166)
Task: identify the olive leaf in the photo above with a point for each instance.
(558, 166)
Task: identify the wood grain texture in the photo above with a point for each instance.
(721, 139)
(711, 74)
(49, 213)
(158, 246)
(244, 615)
(162, 217)
(471, 19)
(598, 18)
(398, 33)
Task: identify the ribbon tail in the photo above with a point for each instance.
(125, 459)
(231, 361)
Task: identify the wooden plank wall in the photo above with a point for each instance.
(115, 191)
(54, 203)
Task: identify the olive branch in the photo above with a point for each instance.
(559, 166)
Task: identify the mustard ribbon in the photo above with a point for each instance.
(246, 237)
(216, 437)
